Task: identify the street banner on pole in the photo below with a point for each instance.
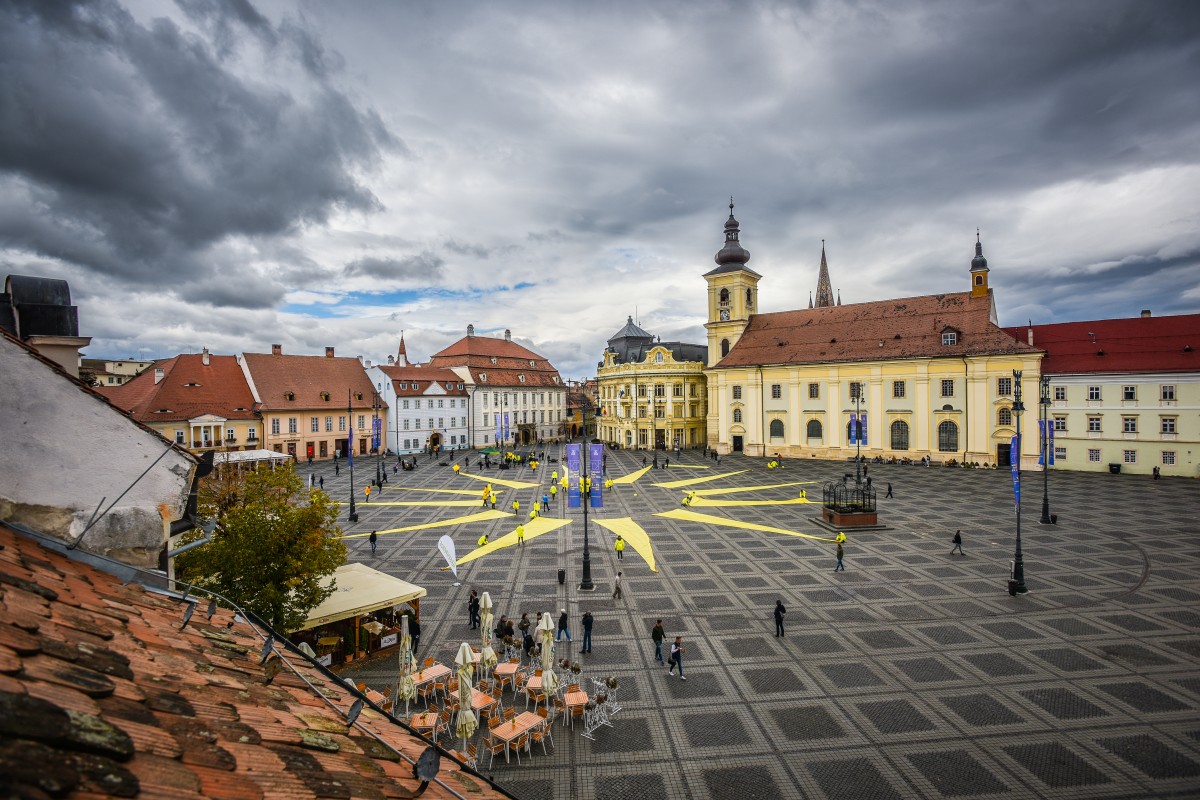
(1015, 460)
(573, 473)
(596, 465)
(862, 428)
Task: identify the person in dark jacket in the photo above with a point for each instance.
(563, 626)
(587, 632)
(779, 612)
(473, 610)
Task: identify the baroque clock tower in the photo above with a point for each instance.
(732, 293)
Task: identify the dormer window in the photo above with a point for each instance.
(404, 386)
(493, 359)
(358, 395)
(556, 379)
(289, 396)
(658, 358)
(483, 377)
(949, 338)
(325, 396)
(533, 363)
(521, 378)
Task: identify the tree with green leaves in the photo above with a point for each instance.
(275, 545)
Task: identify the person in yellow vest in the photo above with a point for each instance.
(608, 484)
(368, 492)
(553, 491)
(619, 546)
(516, 506)
(486, 494)
(457, 469)
(564, 481)
(803, 495)
(520, 534)
(533, 515)
(841, 537)
(492, 497)
(482, 540)
(554, 476)
(772, 464)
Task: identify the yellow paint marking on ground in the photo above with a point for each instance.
(704, 501)
(692, 516)
(500, 481)
(634, 535)
(736, 489)
(482, 516)
(471, 492)
(689, 466)
(631, 477)
(695, 481)
(533, 528)
(442, 503)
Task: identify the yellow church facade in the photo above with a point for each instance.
(909, 378)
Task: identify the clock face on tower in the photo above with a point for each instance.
(724, 314)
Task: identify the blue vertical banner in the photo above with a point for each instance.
(377, 426)
(1050, 442)
(596, 468)
(853, 429)
(862, 428)
(506, 426)
(1045, 443)
(1015, 459)
(496, 419)
(572, 476)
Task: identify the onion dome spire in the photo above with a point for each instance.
(978, 262)
(732, 252)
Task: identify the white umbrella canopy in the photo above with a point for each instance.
(465, 724)
(546, 628)
(486, 618)
(407, 689)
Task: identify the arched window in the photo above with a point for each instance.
(658, 358)
(723, 298)
(814, 429)
(724, 347)
(948, 437)
(1005, 416)
(777, 428)
(749, 300)
(737, 415)
(899, 435)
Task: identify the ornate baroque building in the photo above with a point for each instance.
(651, 393)
(909, 377)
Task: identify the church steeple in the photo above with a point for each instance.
(402, 354)
(824, 289)
(732, 252)
(979, 270)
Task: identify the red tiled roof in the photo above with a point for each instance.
(511, 361)
(1138, 344)
(188, 389)
(422, 376)
(909, 327)
(103, 695)
(307, 377)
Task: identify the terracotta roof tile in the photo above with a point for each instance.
(306, 377)
(142, 707)
(511, 360)
(189, 388)
(1137, 344)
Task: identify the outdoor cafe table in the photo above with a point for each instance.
(506, 670)
(480, 700)
(430, 674)
(510, 730)
(574, 700)
(379, 699)
(427, 721)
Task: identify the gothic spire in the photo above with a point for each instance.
(402, 354)
(824, 289)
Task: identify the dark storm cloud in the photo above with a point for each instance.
(159, 149)
(424, 268)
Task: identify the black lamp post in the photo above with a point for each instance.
(375, 408)
(856, 388)
(1018, 575)
(585, 584)
(349, 456)
(1045, 403)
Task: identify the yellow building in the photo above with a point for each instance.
(652, 393)
(108, 372)
(905, 378)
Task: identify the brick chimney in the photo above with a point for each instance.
(1145, 312)
(204, 356)
(329, 352)
(276, 349)
(507, 335)
(470, 330)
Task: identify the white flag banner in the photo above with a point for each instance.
(446, 548)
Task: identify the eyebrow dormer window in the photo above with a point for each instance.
(493, 359)
(949, 338)
(289, 395)
(325, 396)
(521, 378)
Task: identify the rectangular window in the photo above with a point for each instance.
(1168, 458)
(439, 404)
(1168, 424)
(1093, 393)
(342, 424)
(1131, 456)
(947, 388)
(776, 391)
(898, 389)
(1060, 453)
(406, 424)
(1093, 424)
(1168, 393)
(292, 425)
(431, 423)
(1129, 424)
(404, 404)
(658, 412)
(441, 422)
(677, 391)
(362, 422)
(737, 393)
(949, 338)
(1060, 393)
(1004, 386)
(329, 424)
(275, 426)
(314, 424)
(179, 437)
(1129, 393)
(1060, 423)
(1093, 455)
(814, 391)
(252, 433)
(230, 434)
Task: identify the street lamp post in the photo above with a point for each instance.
(376, 406)
(857, 389)
(585, 583)
(1018, 575)
(1045, 404)
(349, 456)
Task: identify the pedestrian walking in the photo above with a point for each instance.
(337, 469)
(957, 541)
(587, 632)
(617, 587)
(521, 534)
(473, 610)
(414, 630)
(322, 482)
(516, 506)
(619, 546)
(657, 635)
(373, 540)
(545, 502)
(779, 612)
(553, 491)
(840, 565)
(656, 460)
(889, 491)
(563, 627)
(312, 479)
(676, 658)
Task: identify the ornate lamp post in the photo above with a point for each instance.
(1046, 449)
(585, 583)
(857, 389)
(1018, 575)
(349, 455)
(376, 406)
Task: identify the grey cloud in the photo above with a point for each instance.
(424, 268)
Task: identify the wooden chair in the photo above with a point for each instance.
(560, 707)
(427, 691)
(522, 743)
(471, 756)
(495, 748)
(493, 722)
(539, 735)
(547, 728)
(509, 713)
(429, 662)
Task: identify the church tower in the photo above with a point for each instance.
(732, 293)
(824, 288)
(979, 270)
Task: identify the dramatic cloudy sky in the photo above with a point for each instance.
(230, 174)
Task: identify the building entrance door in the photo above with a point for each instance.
(1003, 454)
(324, 449)
(737, 444)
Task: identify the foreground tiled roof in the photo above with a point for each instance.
(102, 694)
(1139, 344)
(909, 327)
(189, 389)
(306, 377)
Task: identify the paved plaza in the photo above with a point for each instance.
(911, 674)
